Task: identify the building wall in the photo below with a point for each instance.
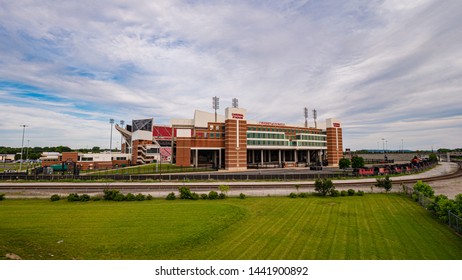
(235, 144)
(183, 151)
(334, 142)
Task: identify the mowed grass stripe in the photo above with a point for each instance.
(310, 238)
(289, 233)
(267, 238)
(244, 234)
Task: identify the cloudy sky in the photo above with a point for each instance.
(386, 69)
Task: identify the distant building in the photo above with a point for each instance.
(87, 161)
(7, 157)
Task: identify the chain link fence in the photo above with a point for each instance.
(453, 220)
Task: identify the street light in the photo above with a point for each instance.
(122, 122)
(111, 121)
(22, 145)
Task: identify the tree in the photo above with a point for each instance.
(433, 158)
(384, 183)
(344, 163)
(357, 162)
(224, 189)
(324, 187)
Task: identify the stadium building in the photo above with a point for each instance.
(232, 142)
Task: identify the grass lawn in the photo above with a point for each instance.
(375, 226)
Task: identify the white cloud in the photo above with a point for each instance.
(376, 65)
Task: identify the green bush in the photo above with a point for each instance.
(140, 197)
(73, 197)
(96, 198)
(213, 195)
(171, 196)
(185, 193)
(119, 197)
(194, 196)
(149, 197)
(334, 193)
(343, 193)
(303, 195)
(110, 194)
(204, 196)
(130, 197)
(360, 193)
(2, 196)
(84, 197)
(351, 192)
(54, 197)
(222, 196)
(424, 189)
(293, 195)
(242, 196)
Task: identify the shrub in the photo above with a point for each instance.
(84, 197)
(334, 193)
(351, 192)
(204, 196)
(424, 189)
(119, 197)
(194, 196)
(360, 193)
(140, 197)
(293, 195)
(324, 187)
(2, 196)
(171, 196)
(130, 197)
(185, 193)
(303, 195)
(54, 197)
(242, 196)
(73, 197)
(343, 193)
(110, 194)
(149, 197)
(96, 198)
(222, 196)
(213, 195)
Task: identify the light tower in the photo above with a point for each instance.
(306, 117)
(315, 116)
(235, 103)
(216, 105)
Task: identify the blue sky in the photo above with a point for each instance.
(386, 69)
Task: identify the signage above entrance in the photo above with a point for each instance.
(237, 116)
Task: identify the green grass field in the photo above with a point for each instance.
(376, 226)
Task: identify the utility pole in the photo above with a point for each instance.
(22, 145)
(122, 122)
(111, 121)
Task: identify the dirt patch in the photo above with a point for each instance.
(13, 256)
